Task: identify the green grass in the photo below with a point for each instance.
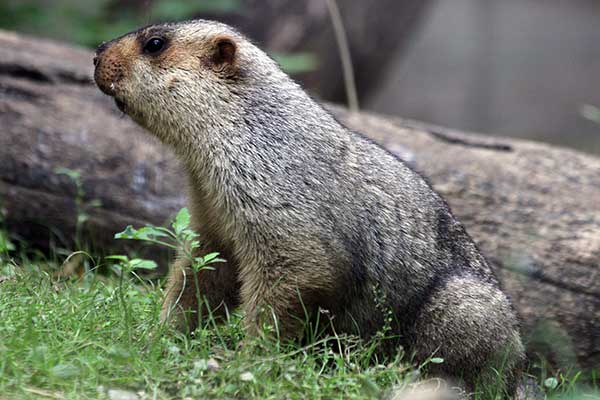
(69, 340)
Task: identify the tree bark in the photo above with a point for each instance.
(533, 209)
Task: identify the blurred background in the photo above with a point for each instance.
(521, 68)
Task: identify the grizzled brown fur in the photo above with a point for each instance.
(308, 214)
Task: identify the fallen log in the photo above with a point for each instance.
(532, 208)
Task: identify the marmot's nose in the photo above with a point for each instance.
(108, 72)
(110, 66)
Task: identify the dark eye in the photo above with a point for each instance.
(154, 45)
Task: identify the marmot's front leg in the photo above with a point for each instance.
(276, 304)
(218, 291)
(282, 296)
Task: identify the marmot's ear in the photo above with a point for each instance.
(224, 54)
(225, 50)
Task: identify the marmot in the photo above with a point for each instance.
(308, 214)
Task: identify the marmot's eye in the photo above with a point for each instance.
(154, 45)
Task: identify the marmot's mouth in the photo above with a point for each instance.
(120, 105)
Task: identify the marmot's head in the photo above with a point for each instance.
(191, 74)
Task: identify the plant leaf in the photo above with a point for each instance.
(145, 233)
(182, 221)
(128, 233)
(138, 263)
(117, 257)
(210, 257)
(149, 232)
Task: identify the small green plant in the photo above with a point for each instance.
(180, 238)
(6, 245)
(81, 206)
(126, 267)
(385, 333)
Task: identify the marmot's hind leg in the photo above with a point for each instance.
(471, 325)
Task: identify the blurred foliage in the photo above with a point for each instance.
(296, 63)
(181, 9)
(591, 113)
(90, 22)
